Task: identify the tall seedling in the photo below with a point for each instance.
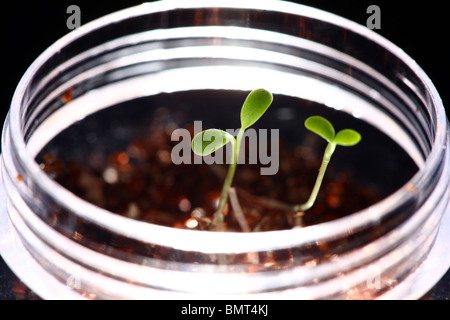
(208, 141)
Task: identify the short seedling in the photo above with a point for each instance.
(208, 141)
(325, 129)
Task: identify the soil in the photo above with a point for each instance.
(142, 183)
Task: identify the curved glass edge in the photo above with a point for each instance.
(20, 261)
(436, 265)
(46, 286)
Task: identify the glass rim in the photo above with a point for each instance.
(200, 241)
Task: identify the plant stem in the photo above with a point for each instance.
(326, 159)
(218, 215)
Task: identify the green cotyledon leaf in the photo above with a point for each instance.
(347, 138)
(320, 126)
(208, 141)
(255, 105)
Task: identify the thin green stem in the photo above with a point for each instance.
(238, 143)
(326, 159)
(218, 215)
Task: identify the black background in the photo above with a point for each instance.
(420, 28)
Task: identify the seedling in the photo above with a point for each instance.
(208, 141)
(325, 129)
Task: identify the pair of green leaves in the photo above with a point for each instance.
(255, 105)
(325, 129)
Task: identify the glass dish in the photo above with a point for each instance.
(78, 250)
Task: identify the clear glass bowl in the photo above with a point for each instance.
(79, 250)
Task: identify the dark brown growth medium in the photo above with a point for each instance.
(142, 183)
